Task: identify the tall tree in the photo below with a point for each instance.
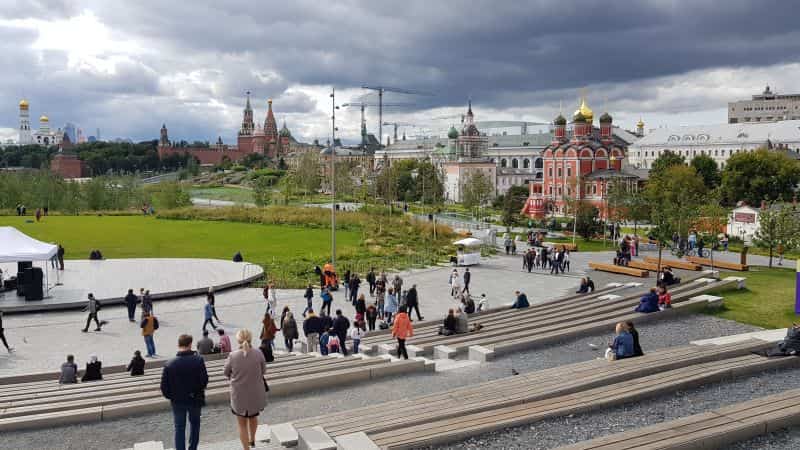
(778, 225)
(307, 172)
(707, 168)
(760, 175)
(664, 161)
(476, 189)
(511, 203)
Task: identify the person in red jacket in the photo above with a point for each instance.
(664, 297)
(402, 330)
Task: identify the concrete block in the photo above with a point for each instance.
(430, 365)
(705, 280)
(443, 352)
(385, 349)
(314, 438)
(399, 366)
(740, 281)
(414, 350)
(368, 349)
(712, 300)
(633, 284)
(304, 346)
(263, 433)
(389, 358)
(335, 355)
(284, 434)
(614, 285)
(355, 441)
(609, 297)
(149, 445)
(480, 353)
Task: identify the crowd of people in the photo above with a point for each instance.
(556, 259)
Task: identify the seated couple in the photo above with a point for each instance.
(457, 324)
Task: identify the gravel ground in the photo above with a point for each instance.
(560, 431)
(779, 440)
(219, 424)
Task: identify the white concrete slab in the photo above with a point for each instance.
(284, 434)
(149, 445)
(766, 335)
(355, 441)
(263, 433)
(480, 353)
(609, 297)
(314, 438)
(445, 365)
(443, 352)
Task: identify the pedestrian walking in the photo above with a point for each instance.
(245, 368)
(208, 314)
(380, 294)
(371, 316)
(455, 284)
(327, 300)
(268, 331)
(402, 330)
(130, 302)
(371, 279)
(312, 328)
(289, 330)
(272, 299)
(361, 305)
(340, 326)
(183, 383)
(347, 284)
(60, 256)
(397, 284)
(355, 283)
(149, 326)
(467, 278)
(309, 296)
(146, 301)
(211, 299)
(93, 306)
(3, 334)
(391, 306)
(412, 301)
(565, 262)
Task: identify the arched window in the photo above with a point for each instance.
(514, 163)
(526, 163)
(503, 163)
(538, 163)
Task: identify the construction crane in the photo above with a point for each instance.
(363, 105)
(398, 124)
(380, 90)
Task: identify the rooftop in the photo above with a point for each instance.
(726, 133)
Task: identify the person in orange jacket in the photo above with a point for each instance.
(402, 330)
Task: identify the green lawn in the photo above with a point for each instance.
(768, 300)
(139, 236)
(584, 245)
(230, 194)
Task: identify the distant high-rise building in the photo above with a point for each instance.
(70, 129)
(765, 107)
(80, 138)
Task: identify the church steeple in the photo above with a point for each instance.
(248, 126)
(163, 140)
(270, 126)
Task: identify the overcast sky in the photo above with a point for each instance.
(127, 66)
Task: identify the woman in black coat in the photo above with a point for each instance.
(637, 349)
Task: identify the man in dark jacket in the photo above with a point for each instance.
(341, 325)
(371, 279)
(312, 328)
(355, 282)
(130, 301)
(184, 382)
(521, 301)
(467, 278)
(648, 303)
(412, 299)
(309, 295)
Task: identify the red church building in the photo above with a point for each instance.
(578, 167)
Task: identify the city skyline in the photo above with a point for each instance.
(128, 68)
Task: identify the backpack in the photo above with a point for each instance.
(383, 326)
(155, 323)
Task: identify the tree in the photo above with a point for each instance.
(664, 161)
(587, 220)
(344, 179)
(707, 168)
(760, 175)
(307, 172)
(778, 225)
(386, 184)
(629, 203)
(675, 200)
(262, 190)
(476, 189)
(511, 203)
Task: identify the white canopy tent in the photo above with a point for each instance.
(16, 246)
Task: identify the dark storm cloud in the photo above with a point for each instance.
(505, 55)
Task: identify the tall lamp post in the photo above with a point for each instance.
(333, 176)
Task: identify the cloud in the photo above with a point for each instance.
(127, 66)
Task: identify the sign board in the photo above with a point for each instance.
(742, 217)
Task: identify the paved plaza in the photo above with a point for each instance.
(110, 279)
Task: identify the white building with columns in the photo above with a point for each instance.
(44, 135)
(720, 142)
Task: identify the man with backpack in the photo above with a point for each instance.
(149, 326)
(93, 306)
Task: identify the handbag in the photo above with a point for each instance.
(610, 354)
(266, 386)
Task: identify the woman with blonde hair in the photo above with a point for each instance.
(245, 369)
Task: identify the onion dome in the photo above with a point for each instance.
(453, 133)
(44, 118)
(640, 124)
(560, 120)
(284, 131)
(578, 117)
(605, 118)
(588, 114)
(23, 104)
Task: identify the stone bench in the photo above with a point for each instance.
(676, 263)
(623, 270)
(713, 429)
(718, 264)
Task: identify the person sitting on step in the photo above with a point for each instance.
(648, 303)
(94, 370)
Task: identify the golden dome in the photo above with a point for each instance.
(640, 124)
(44, 118)
(23, 104)
(586, 111)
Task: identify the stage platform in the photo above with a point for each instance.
(110, 279)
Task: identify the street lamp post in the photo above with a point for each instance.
(333, 176)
